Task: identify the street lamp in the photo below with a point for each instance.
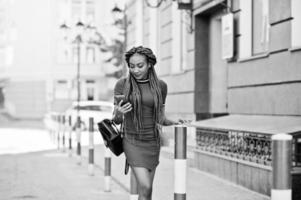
(78, 40)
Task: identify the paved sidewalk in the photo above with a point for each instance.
(51, 175)
(200, 185)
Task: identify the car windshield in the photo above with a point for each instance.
(95, 108)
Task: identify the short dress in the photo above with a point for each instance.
(142, 147)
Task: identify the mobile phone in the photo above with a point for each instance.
(119, 98)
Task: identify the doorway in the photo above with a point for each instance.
(217, 68)
(210, 69)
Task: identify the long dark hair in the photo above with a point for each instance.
(131, 89)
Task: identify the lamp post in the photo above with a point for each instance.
(78, 40)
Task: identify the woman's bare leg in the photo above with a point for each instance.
(145, 179)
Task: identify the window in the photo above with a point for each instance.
(61, 89)
(63, 11)
(90, 89)
(90, 11)
(260, 26)
(6, 55)
(296, 23)
(254, 28)
(90, 93)
(185, 29)
(63, 53)
(90, 55)
(83, 10)
(76, 11)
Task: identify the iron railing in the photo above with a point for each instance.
(248, 146)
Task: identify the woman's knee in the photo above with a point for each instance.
(145, 189)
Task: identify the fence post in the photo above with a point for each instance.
(58, 130)
(63, 132)
(53, 128)
(78, 140)
(70, 135)
(107, 169)
(282, 165)
(91, 146)
(133, 187)
(180, 165)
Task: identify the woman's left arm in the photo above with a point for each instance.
(165, 121)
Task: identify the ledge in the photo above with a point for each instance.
(254, 57)
(264, 124)
(293, 49)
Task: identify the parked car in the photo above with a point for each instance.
(49, 121)
(99, 110)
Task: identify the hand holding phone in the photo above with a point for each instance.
(123, 105)
(120, 98)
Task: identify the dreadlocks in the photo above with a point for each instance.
(131, 89)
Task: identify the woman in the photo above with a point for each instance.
(139, 105)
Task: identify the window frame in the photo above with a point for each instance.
(246, 32)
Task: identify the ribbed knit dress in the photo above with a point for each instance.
(142, 147)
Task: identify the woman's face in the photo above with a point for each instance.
(138, 66)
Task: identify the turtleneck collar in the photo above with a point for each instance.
(142, 81)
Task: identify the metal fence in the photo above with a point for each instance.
(247, 146)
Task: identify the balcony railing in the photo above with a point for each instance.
(246, 146)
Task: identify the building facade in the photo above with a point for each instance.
(26, 56)
(40, 64)
(82, 59)
(230, 65)
(6, 27)
(166, 31)
(260, 83)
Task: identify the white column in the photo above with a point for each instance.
(180, 166)
(78, 139)
(153, 30)
(107, 170)
(281, 167)
(91, 147)
(70, 135)
(176, 38)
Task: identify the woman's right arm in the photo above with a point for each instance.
(117, 116)
(120, 110)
